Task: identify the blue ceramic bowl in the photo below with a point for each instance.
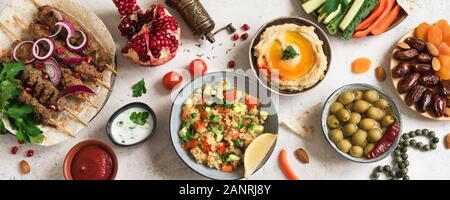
(242, 83)
(352, 87)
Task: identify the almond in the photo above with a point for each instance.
(436, 64)
(447, 112)
(403, 45)
(24, 167)
(380, 73)
(447, 141)
(302, 155)
(434, 51)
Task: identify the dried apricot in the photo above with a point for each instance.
(444, 49)
(445, 28)
(444, 72)
(435, 35)
(447, 40)
(361, 65)
(422, 31)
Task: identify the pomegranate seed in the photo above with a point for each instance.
(89, 59)
(52, 107)
(235, 37)
(45, 76)
(28, 89)
(14, 150)
(76, 75)
(46, 27)
(245, 27)
(30, 153)
(244, 36)
(60, 50)
(231, 64)
(39, 65)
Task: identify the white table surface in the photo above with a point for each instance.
(156, 158)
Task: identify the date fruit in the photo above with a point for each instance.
(416, 44)
(408, 82)
(424, 58)
(423, 69)
(430, 80)
(445, 88)
(402, 69)
(438, 105)
(406, 55)
(415, 94)
(425, 101)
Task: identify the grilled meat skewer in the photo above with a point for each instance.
(99, 54)
(86, 70)
(43, 90)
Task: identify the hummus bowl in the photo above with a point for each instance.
(290, 55)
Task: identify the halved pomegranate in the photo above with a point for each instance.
(153, 36)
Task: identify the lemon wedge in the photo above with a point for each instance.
(257, 151)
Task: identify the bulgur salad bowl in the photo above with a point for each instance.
(214, 119)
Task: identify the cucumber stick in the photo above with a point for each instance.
(311, 5)
(333, 26)
(332, 15)
(365, 10)
(357, 4)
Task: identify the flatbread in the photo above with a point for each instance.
(26, 11)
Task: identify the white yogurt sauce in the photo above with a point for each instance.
(126, 132)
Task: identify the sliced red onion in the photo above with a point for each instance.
(75, 89)
(17, 47)
(80, 47)
(66, 25)
(53, 69)
(51, 48)
(74, 60)
(58, 16)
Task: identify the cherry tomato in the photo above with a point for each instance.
(191, 144)
(172, 79)
(251, 102)
(198, 67)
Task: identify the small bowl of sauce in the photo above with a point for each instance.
(90, 160)
(132, 124)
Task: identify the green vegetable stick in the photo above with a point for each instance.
(363, 12)
(333, 26)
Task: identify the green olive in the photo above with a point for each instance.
(359, 138)
(355, 118)
(387, 120)
(382, 104)
(344, 146)
(367, 124)
(349, 129)
(375, 134)
(336, 135)
(369, 147)
(360, 106)
(356, 151)
(335, 107)
(374, 113)
(333, 121)
(343, 115)
(358, 95)
(346, 97)
(371, 96)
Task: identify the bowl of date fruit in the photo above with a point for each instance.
(420, 71)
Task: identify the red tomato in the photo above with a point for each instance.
(191, 144)
(172, 79)
(222, 147)
(198, 67)
(203, 115)
(251, 102)
(199, 127)
(231, 96)
(227, 168)
(236, 136)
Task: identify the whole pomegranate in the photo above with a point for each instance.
(153, 35)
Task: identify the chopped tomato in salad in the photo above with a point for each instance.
(218, 125)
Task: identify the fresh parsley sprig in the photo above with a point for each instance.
(139, 88)
(289, 53)
(139, 118)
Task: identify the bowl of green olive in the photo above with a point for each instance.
(357, 122)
